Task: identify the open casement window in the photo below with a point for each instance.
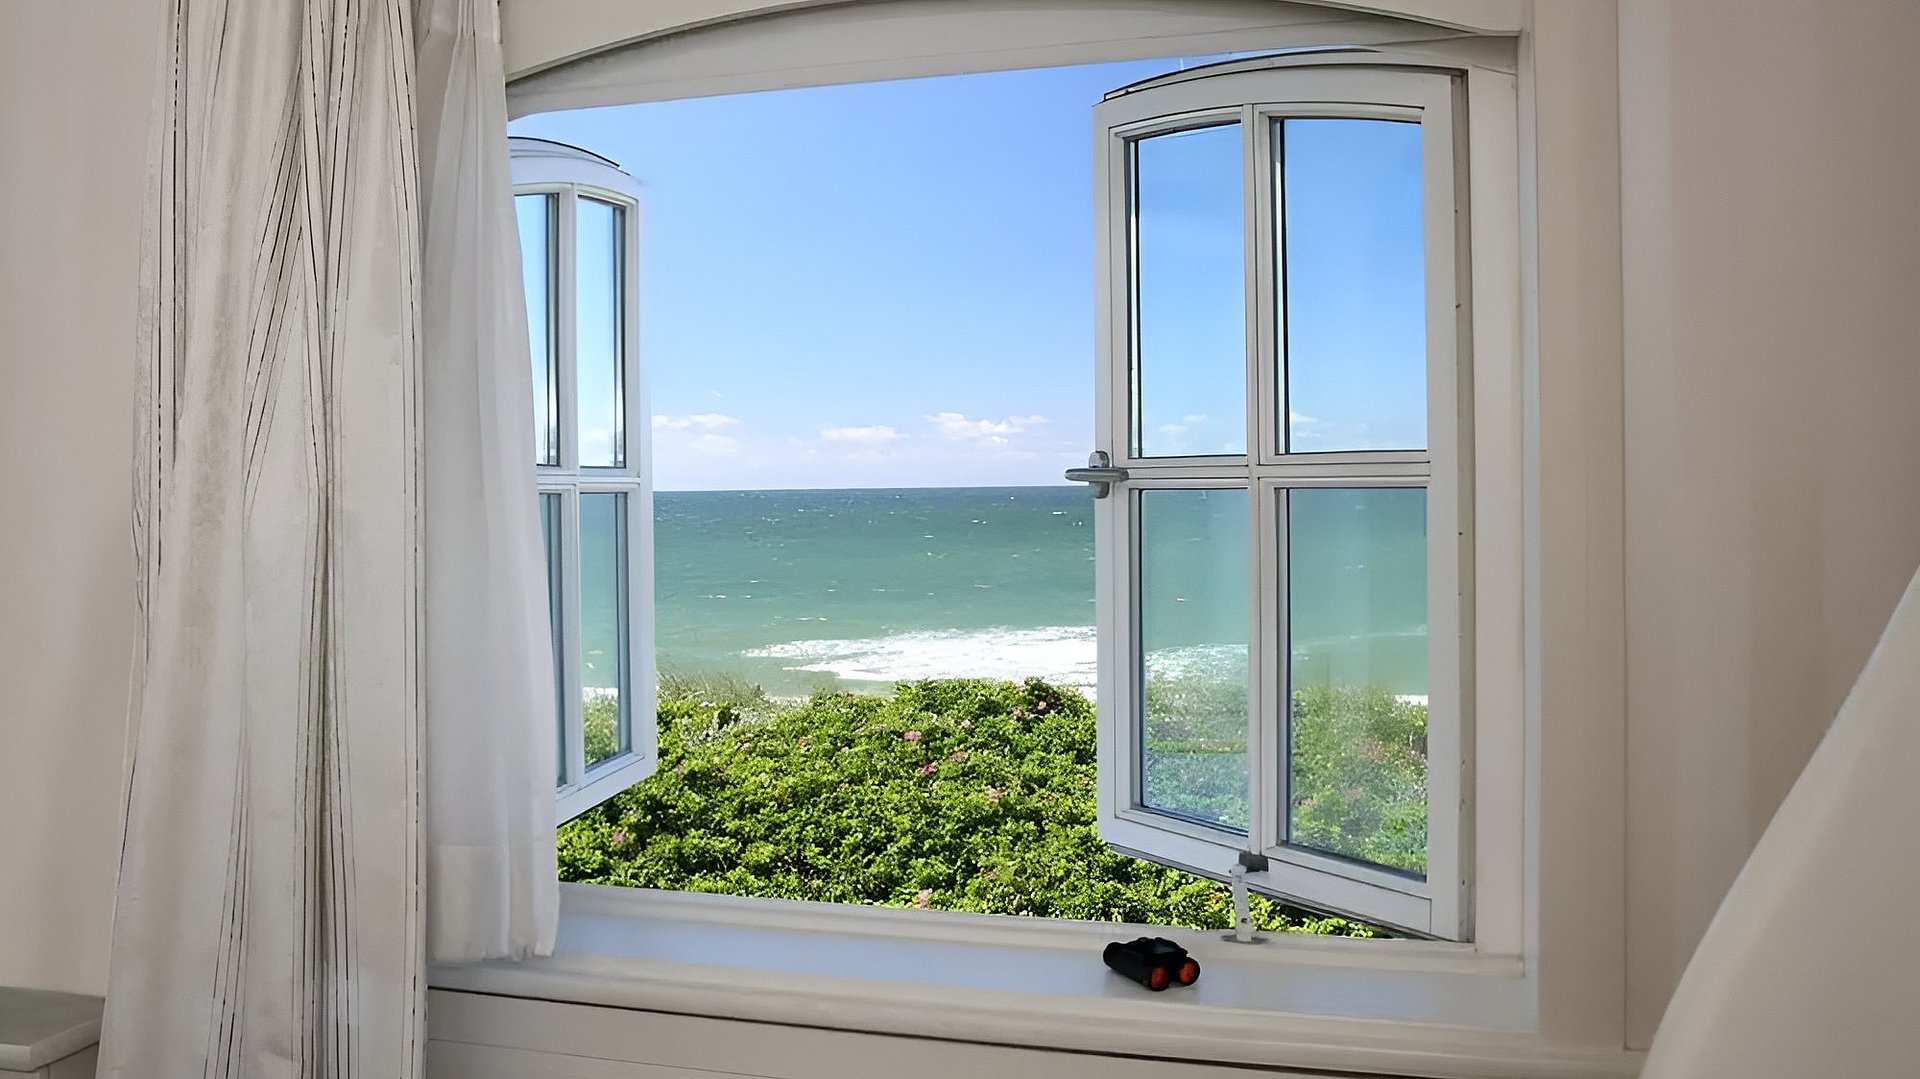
(1281, 505)
(579, 242)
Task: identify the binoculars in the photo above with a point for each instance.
(1154, 962)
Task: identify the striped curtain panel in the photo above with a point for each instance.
(271, 916)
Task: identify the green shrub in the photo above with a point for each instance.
(600, 723)
(1360, 776)
(952, 795)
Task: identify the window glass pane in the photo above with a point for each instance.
(1357, 623)
(600, 342)
(1190, 324)
(550, 530)
(536, 266)
(603, 624)
(1193, 641)
(1354, 285)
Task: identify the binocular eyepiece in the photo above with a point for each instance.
(1154, 962)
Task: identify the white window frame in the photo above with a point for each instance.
(1544, 972)
(1253, 94)
(568, 174)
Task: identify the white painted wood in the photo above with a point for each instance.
(1402, 1007)
(477, 1035)
(81, 1065)
(540, 34)
(38, 1027)
(1574, 807)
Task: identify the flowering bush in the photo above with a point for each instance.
(951, 795)
(600, 719)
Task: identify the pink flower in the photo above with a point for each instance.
(994, 794)
(924, 898)
(620, 837)
(929, 768)
(911, 736)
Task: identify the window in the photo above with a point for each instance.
(577, 217)
(1281, 531)
(1283, 485)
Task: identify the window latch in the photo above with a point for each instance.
(1248, 862)
(1100, 473)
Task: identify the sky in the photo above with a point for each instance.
(891, 284)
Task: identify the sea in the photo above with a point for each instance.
(859, 589)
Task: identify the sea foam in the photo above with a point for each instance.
(1063, 655)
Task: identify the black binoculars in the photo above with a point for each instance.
(1154, 962)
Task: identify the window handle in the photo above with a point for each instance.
(1100, 473)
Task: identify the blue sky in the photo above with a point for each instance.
(891, 284)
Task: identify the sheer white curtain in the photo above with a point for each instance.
(271, 918)
(491, 731)
(1812, 964)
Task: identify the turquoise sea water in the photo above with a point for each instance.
(862, 588)
(857, 589)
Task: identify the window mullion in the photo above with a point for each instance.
(1269, 760)
(1259, 644)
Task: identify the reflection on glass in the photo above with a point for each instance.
(1354, 285)
(1357, 623)
(1193, 641)
(603, 624)
(599, 342)
(550, 532)
(535, 213)
(1189, 269)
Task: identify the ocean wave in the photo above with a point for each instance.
(1064, 655)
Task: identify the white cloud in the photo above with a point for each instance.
(1187, 436)
(871, 435)
(702, 421)
(957, 426)
(682, 438)
(714, 446)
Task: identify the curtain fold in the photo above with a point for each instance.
(268, 919)
(333, 433)
(1811, 966)
(492, 888)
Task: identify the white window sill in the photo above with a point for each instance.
(1392, 1007)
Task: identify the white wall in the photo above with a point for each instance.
(74, 85)
(1771, 162)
